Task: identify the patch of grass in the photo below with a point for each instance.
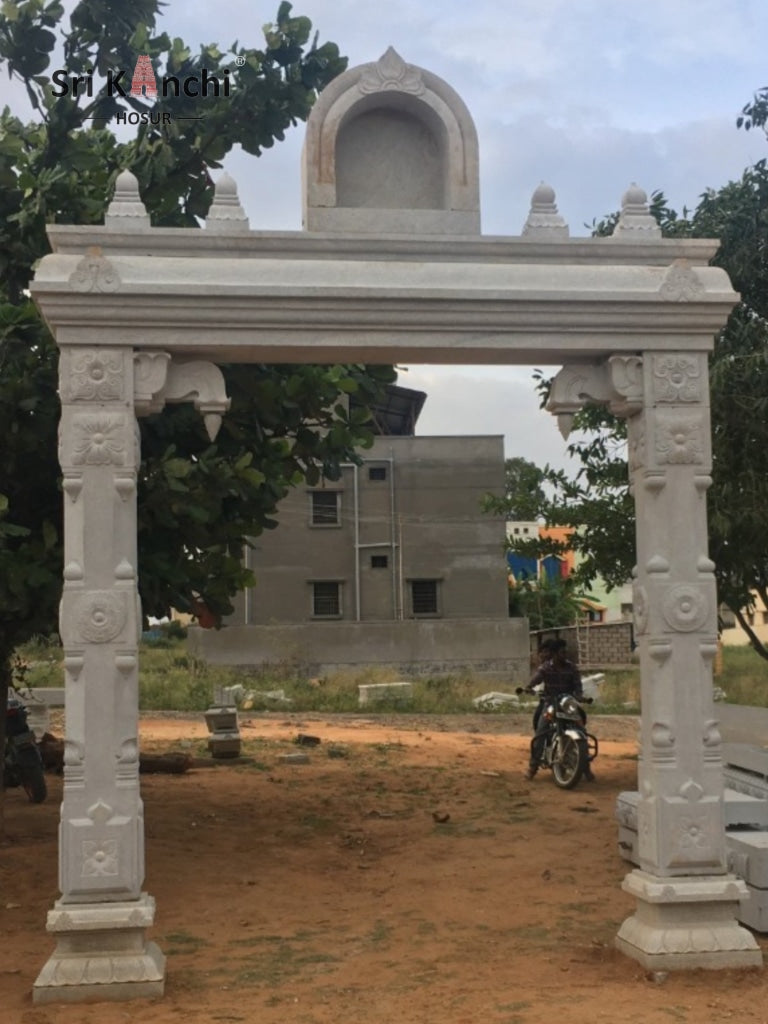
(380, 933)
(182, 942)
(619, 692)
(173, 679)
(744, 677)
(281, 962)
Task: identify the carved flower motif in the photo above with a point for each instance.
(685, 608)
(677, 378)
(94, 273)
(99, 441)
(693, 833)
(391, 72)
(100, 616)
(678, 440)
(99, 858)
(97, 376)
(681, 284)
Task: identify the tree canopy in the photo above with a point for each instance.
(597, 501)
(523, 495)
(198, 502)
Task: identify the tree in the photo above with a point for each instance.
(547, 603)
(523, 492)
(198, 502)
(598, 502)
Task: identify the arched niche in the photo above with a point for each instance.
(391, 148)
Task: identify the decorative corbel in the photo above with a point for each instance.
(159, 379)
(202, 384)
(575, 384)
(150, 370)
(617, 383)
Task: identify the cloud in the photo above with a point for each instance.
(488, 400)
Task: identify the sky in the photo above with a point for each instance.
(587, 95)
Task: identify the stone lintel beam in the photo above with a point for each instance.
(380, 311)
(194, 244)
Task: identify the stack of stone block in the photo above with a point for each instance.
(745, 804)
(224, 740)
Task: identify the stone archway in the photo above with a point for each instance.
(142, 315)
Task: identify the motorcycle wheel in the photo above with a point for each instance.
(33, 781)
(571, 758)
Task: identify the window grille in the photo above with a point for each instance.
(326, 599)
(325, 508)
(424, 597)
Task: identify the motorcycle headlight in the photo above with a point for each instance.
(569, 707)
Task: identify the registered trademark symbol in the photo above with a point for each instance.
(240, 61)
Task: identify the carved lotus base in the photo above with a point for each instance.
(682, 923)
(101, 954)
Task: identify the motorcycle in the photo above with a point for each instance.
(566, 747)
(22, 765)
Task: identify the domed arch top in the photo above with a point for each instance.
(391, 148)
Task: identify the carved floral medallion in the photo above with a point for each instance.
(98, 440)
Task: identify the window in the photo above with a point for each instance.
(377, 473)
(424, 597)
(379, 561)
(326, 599)
(325, 508)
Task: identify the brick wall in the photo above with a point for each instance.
(599, 645)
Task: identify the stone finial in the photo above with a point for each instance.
(636, 222)
(226, 215)
(126, 211)
(544, 223)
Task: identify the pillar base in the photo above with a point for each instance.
(101, 954)
(687, 922)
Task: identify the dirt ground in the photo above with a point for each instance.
(406, 874)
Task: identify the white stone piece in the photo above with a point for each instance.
(391, 269)
(391, 148)
(685, 923)
(224, 740)
(201, 383)
(126, 212)
(101, 954)
(373, 693)
(495, 699)
(226, 215)
(635, 220)
(150, 371)
(544, 223)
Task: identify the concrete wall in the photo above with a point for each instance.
(424, 518)
(601, 645)
(494, 648)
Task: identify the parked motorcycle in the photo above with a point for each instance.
(567, 748)
(22, 765)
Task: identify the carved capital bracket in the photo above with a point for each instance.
(617, 382)
(159, 379)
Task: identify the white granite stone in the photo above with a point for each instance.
(391, 269)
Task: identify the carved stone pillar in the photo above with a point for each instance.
(100, 920)
(686, 901)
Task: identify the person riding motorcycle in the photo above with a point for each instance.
(559, 675)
